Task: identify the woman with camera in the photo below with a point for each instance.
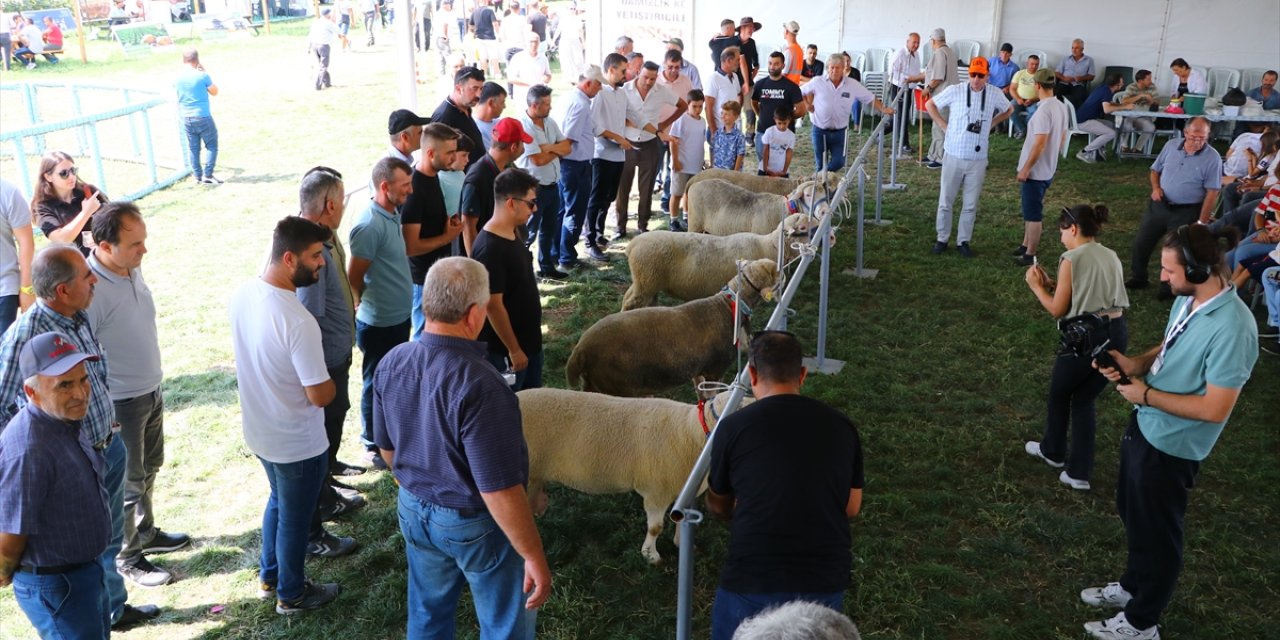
(64, 204)
(1089, 298)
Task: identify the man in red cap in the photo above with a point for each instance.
(509, 138)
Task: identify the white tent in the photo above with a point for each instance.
(1143, 34)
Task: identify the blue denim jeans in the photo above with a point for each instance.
(545, 224)
(1033, 199)
(114, 594)
(65, 605)
(417, 319)
(374, 343)
(529, 378)
(731, 607)
(201, 130)
(286, 522)
(8, 311)
(575, 189)
(444, 547)
(831, 143)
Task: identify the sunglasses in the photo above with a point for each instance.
(68, 172)
(977, 75)
(532, 204)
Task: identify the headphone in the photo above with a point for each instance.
(1195, 272)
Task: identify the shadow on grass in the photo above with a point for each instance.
(188, 615)
(216, 387)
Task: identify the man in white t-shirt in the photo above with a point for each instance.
(975, 109)
(284, 386)
(1046, 134)
(527, 68)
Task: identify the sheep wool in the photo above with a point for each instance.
(759, 184)
(650, 350)
(597, 444)
(720, 208)
(695, 265)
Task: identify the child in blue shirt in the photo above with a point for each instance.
(728, 145)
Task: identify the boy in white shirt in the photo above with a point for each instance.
(778, 141)
(688, 134)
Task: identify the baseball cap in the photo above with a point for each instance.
(978, 65)
(50, 354)
(402, 119)
(593, 72)
(677, 42)
(509, 130)
(791, 27)
(1044, 77)
(939, 34)
(749, 21)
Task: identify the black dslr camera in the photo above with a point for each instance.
(974, 127)
(1085, 336)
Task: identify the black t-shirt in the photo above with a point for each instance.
(482, 19)
(790, 462)
(538, 22)
(812, 70)
(53, 214)
(770, 93)
(718, 44)
(510, 267)
(449, 113)
(477, 190)
(425, 206)
(753, 61)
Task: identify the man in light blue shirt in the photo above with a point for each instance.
(575, 168)
(1189, 385)
(194, 88)
(381, 285)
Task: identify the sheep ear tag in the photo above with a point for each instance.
(767, 294)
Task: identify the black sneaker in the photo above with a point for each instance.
(164, 542)
(341, 506)
(933, 164)
(596, 254)
(1023, 260)
(938, 247)
(375, 461)
(144, 574)
(313, 596)
(131, 615)
(1134, 283)
(340, 468)
(331, 546)
(964, 249)
(553, 274)
(1020, 251)
(210, 179)
(677, 224)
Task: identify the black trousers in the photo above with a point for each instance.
(605, 175)
(1073, 389)
(1152, 501)
(1160, 219)
(1075, 94)
(902, 119)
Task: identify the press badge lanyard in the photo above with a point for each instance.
(1179, 327)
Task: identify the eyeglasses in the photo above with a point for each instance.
(65, 173)
(532, 204)
(977, 75)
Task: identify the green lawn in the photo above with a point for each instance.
(961, 535)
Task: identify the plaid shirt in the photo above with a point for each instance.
(41, 319)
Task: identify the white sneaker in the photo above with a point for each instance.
(1118, 628)
(1078, 485)
(1085, 156)
(1112, 596)
(1033, 449)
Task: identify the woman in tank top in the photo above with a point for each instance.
(1091, 284)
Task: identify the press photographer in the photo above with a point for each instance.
(1184, 389)
(1090, 295)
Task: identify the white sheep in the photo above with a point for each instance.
(695, 265)
(597, 444)
(646, 351)
(721, 208)
(760, 184)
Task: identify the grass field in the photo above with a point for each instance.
(962, 536)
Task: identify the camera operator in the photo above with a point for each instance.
(1090, 295)
(1190, 385)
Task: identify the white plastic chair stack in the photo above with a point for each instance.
(1221, 79)
(966, 50)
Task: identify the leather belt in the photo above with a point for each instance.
(49, 571)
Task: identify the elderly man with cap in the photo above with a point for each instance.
(1002, 67)
(687, 67)
(64, 286)
(405, 129)
(939, 74)
(975, 109)
(455, 109)
(55, 522)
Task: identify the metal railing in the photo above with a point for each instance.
(684, 512)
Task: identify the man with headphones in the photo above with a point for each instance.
(1183, 390)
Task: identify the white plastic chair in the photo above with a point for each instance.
(1023, 54)
(1221, 79)
(859, 60)
(1073, 128)
(966, 50)
(876, 83)
(876, 60)
(1251, 79)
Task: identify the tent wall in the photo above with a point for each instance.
(1137, 33)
